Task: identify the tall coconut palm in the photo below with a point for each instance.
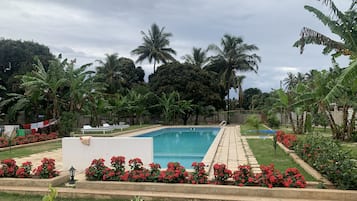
(155, 47)
(234, 56)
(238, 84)
(198, 58)
(343, 24)
(109, 72)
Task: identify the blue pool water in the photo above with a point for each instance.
(184, 145)
(264, 131)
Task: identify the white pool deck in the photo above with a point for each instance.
(232, 149)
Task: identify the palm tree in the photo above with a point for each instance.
(198, 58)
(109, 72)
(233, 57)
(155, 46)
(238, 84)
(343, 25)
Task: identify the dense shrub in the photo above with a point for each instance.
(244, 176)
(199, 176)
(221, 173)
(273, 121)
(25, 170)
(327, 157)
(3, 142)
(288, 140)
(269, 177)
(30, 138)
(96, 170)
(47, 169)
(175, 173)
(8, 168)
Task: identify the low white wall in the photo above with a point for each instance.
(80, 156)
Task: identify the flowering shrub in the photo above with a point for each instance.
(244, 176)
(288, 140)
(3, 142)
(327, 157)
(138, 173)
(293, 178)
(21, 140)
(9, 168)
(25, 170)
(96, 170)
(31, 138)
(175, 173)
(199, 176)
(221, 173)
(135, 164)
(154, 172)
(118, 162)
(47, 169)
(269, 176)
(109, 175)
(52, 136)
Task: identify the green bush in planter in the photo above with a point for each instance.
(327, 157)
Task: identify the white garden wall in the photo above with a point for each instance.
(80, 155)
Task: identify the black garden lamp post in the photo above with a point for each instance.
(72, 172)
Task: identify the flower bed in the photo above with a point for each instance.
(175, 173)
(288, 140)
(9, 168)
(327, 157)
(31, 138)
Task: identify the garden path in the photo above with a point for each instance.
(233, 150)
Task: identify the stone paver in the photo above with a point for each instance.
(233, 150)
(36, 158)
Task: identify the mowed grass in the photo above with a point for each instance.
(263, 151)
(351, 147)
(26, 151)
(19, 197)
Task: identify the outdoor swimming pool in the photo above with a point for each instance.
(184, 145)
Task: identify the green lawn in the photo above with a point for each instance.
(263, 151)
(352, 147)
(18, 197)
(26, 151)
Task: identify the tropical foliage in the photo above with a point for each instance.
(155, 46)
(232, 57)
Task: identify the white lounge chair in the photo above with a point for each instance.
(121, 126)
(88, 128)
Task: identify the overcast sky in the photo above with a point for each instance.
(88, 29)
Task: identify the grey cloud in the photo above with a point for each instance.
(87, 29)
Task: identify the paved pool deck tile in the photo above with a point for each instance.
(233, 150)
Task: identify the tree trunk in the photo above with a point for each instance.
(344, 123)
(291, 121)
(351, 125)
(154, 65)
(196, 118)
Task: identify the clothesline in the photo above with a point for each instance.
(40, 124)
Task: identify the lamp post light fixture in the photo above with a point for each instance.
(72, 172)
